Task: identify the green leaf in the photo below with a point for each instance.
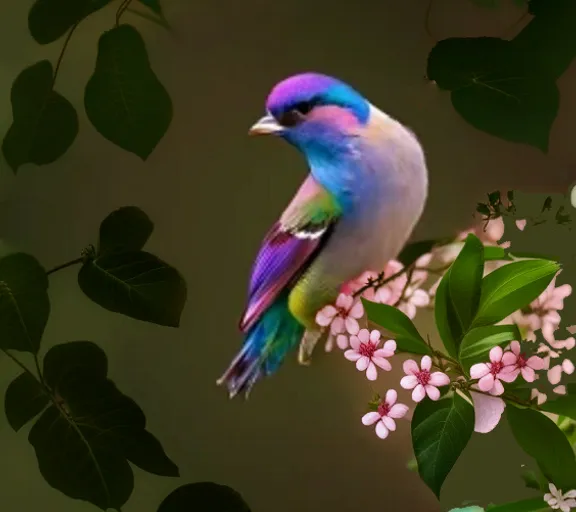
(512, 287)
(414, 250)
(125, 229)
(445, 316)
(473, 508)
(45, 124)
(124, 99)
(497, 88)
(478, 342)
(493, 252)
(542, 440)
(204, 497)
(407, 337)
(83, 445)
(564, 405)
(465, 280)
(24, 400)
(440, 432)
(24, 303)
(529, 505)
(136, 284)
(530, 479)
(49, 20)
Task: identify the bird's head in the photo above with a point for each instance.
(311, 110)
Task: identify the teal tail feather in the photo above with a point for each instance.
(265, 347)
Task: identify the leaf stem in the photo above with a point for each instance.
(121, 10)
(65, 265)
(61, 56)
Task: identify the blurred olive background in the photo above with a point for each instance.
(297, 444)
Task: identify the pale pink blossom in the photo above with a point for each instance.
(526, 366)
(538, 395)
(413, 299)
(567, 344)
(365, 352)
(555, 373)
(558, 501)
(421, 380)
(571, 329)
(390, 292)
(502, 367)
(489, 233)
(487, 412)
(521, 224)
(343, 317)
(388, 411)
(560, 390)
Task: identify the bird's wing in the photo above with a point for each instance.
(289, 247)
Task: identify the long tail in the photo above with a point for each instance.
(265, 347)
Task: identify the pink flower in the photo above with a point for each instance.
(521, 224)
(555, 373)
(559, 390)
(558, 501)
(365, 352)
(390, 292)
(487, 412)
(502, 367)
(525, 366)
(388, 411)
(421, 380)
(413, 299)
(540, 397)
(342, 317)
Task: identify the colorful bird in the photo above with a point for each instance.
(365, 192)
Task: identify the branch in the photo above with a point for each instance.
(65, 265)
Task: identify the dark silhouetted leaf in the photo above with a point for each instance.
(512, 287)
(124, 99)
(440, 432)
(478, 342)
(83, 445)
(125, 229)
(542, 440)
(204, 497)
(44, 124)
(49, 20)
(397, 324)
(24, 303)
(153, 5)
(497, 88)
(136, 284)
(550, 37)
(24, 400)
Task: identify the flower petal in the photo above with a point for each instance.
(364, 335)
(479, 370)
(486, 383)
(433, 392)
(362, 363)
(357, 310)
(342, 341)
(535, 362)
(371, 371)
(381, 430)
(555, 374)
(344, 301)
(337, 325)
(375, 336)
(398, 411)
(389, 423)
(521, 224)
(515, 347)
(352, 355)
(389, 347)
(419, 393)
(508, 374)
(496, 354)
(355, 343)
(382, 363)
(498, 388)
(370, 418)
(439, 379)
(559, 390)
(410, 367)
(325, 316)
(391, 397)
(351, 325)
(420, 298)
(426, 363)
(408, 382)
(487, 412)
(568, 367)
(509, 358)
(528, 374)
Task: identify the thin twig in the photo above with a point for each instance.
(121, 10)
(65, 265)
(61, 56)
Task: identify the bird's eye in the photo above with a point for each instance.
(296, 114)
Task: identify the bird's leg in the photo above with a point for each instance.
(307, 344)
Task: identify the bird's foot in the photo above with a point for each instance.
(307, 344)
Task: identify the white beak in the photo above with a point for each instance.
(265, 126)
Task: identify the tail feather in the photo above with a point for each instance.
(265, 347)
